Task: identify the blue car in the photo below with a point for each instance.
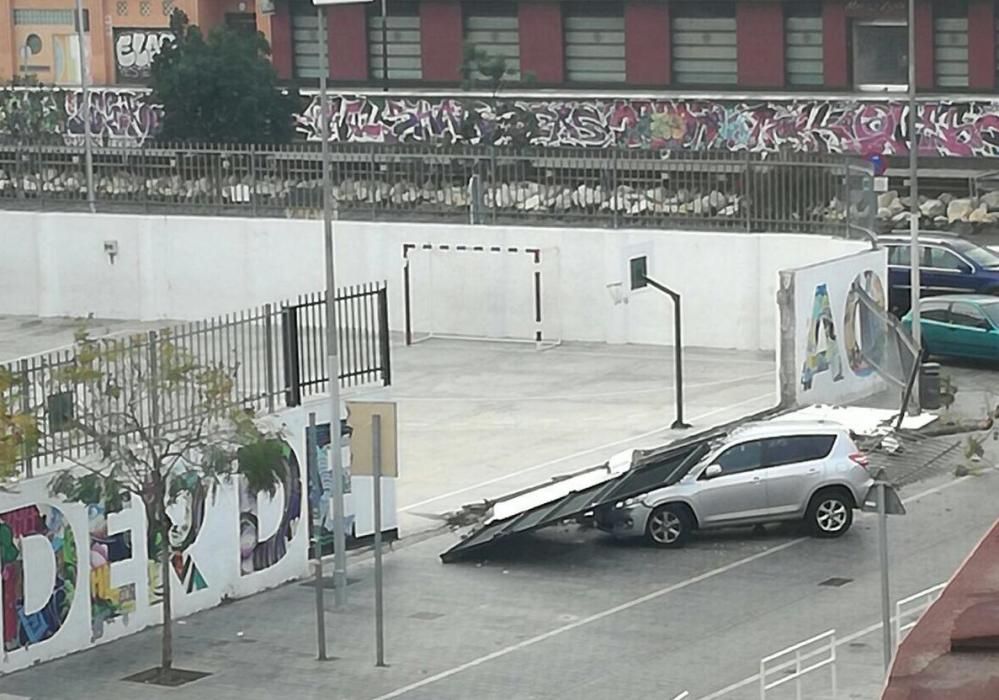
(948, 265)
(959, 325)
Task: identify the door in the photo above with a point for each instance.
(944, 272)
(738, 492)
(793, 467)
(934, 322)
(971, 331)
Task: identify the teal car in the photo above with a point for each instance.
(959, 325)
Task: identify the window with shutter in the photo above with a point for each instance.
(803, 44)
(594, 42)
(493, 28)
(402, 45)
(306, 61)
(950, 44)
(704, 43)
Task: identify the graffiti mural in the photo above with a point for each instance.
(134, 51)
(864, 334)
(860, 127)
(23, 627)
(107, 602)
(256, 554)
(822, 354)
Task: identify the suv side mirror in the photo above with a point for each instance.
(712, 471)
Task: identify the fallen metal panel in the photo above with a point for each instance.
(668, 465)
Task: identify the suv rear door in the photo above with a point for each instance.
(793, 467)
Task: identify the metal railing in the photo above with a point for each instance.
(796, 661)
(492, 185)
(276, 352)
(909, 610)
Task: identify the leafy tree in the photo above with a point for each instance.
(18, 427)
(221, 88)
(29, 116)
(163, 427)
(479, 67)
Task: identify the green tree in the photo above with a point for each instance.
(480, 68)
(18, 427)
(221, 88)
(163, 427)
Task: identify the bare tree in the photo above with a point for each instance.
(162, 426)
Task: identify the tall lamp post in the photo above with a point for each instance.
(332, 331)
(915, 211)
(88, 148)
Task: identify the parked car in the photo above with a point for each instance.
(761, 473)
(958, 325)
(948, 265)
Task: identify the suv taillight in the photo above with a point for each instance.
(860, 459)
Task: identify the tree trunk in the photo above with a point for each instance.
(166, 662)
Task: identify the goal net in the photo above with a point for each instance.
(493, 293)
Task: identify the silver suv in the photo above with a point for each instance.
(760, 473)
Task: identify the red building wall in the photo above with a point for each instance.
(760, 43)
(347, 29)
(441, 38)
(647, 43)
(541, 51)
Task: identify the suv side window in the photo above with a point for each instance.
(963, 314)
(741, 458)
(899, 255)
(942, 259)
(796, 448)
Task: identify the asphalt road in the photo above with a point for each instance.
(565, 614)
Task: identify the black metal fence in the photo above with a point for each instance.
(607, 187)
(276, 352)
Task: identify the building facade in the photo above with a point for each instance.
(716, 46)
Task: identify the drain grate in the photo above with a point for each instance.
(836, 581)
(328, 582)
(177, 677)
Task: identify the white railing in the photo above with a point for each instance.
(797, 661)
(909, 610)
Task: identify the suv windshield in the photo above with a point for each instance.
(982, 257)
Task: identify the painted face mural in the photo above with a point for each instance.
(21, 626)
(257, 555)
(864, 333)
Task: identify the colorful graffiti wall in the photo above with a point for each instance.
(836, 340)
(947, 128)
(225, 545)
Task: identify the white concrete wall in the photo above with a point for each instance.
(70, 550)
(193, 267)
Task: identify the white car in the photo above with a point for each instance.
(759, 473)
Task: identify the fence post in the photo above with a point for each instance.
(269, 356)
(492, 177)
(25, 408)
(292, 368)
(253, 180)
(384, 341)
(747, 200)
(614, 182)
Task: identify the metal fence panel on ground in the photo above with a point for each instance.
(560, 186)
(276, 354)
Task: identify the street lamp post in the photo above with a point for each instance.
(332, 330)
(85, 97)
(915, 211)
(678, 423)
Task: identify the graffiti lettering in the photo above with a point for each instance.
(107, 602)
(135, 49)
(22, 626)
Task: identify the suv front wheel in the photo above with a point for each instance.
(669, 526)
(830, 514)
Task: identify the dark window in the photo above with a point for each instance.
(950, 43)
(741, 458)
(245, 22)
(880, 52)
(943, 260)
(803, 43)
(963, 314)
(796, 448)
(594, 42)
(934, 311)
(402, 44)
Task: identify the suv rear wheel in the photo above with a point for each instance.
(669, 526)
(830, 514)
